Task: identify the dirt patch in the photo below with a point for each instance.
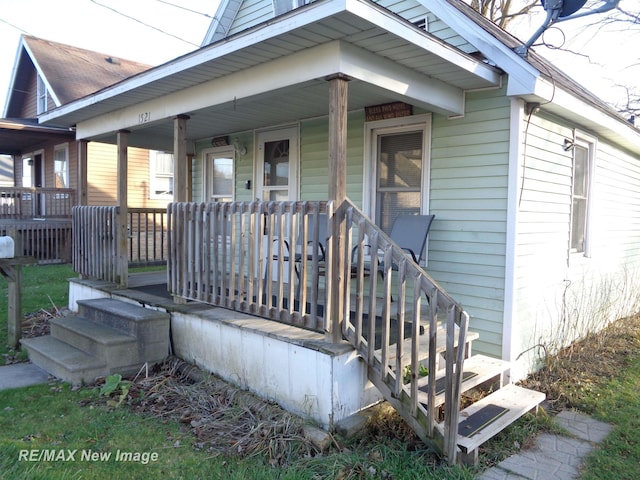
(577, 369)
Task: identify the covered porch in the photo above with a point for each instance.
(251, 296)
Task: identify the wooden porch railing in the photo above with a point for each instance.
(268, 259)
(243, 256)
(23, 202)
(95, 243)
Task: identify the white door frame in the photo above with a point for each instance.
(287, 133)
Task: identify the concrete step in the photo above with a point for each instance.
(488, 417)
(64, 361)
(478, 369)
(150, 327)
(117, 349)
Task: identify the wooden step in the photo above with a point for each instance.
(489, 416)
(64, 361)
(477, 370)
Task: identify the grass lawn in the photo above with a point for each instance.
(85, 434)
(43, 287)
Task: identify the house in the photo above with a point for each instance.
(364, 111)
(45, 76)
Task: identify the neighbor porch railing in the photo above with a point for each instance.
(95, 235)
(267, 259)
(23, 202)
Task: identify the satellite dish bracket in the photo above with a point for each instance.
(554, 9)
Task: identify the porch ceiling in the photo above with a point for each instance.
(359, 23)
(19, 135)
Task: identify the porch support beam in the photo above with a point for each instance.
(82, 172)
(338, 96)
(180, 158)
(122, 271)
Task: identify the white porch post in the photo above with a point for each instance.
(338, 95)
(123, 211)
(180, 191)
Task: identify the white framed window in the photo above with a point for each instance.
(61, 166)
(583, 159)
(397, 182)
(160, 175)
(219, 174)
(41, 95)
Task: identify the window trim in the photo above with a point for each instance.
(590, 143)
(62, 147)
(217, 152)
(153, 177)
(384, 127)
(41, 95)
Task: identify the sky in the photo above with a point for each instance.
(117, 28)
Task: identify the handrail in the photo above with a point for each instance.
(417, 298)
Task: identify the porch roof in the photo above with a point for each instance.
(278, 69)
(17, 134)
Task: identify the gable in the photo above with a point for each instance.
(235, 16)
(68, 73)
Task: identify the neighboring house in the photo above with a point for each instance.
(45, 76)
(402, 107)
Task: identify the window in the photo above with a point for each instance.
(398, 153)
(160, 175)
(219, 175)
(41, 92)
(61, 166)
(583, 153)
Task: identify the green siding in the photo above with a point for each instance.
(314, 154)
(468, 195)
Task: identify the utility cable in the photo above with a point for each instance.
(185, 8)
(145, 24)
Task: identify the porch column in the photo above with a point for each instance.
(338, 94)
(123, 210)
(82, 173)
(180, 158)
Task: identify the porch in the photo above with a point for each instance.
(324, 325)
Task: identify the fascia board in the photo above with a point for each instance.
(14, 73)
(519, 70)
(50, 90)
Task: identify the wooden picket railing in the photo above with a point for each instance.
(23, 202)
(95, 233)
(246, 256)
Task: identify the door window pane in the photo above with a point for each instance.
(399, 179)
(276, 163)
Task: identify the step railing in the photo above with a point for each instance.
(417, 324)
(269, 259)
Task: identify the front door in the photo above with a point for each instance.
(277, 165)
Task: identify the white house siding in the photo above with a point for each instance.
(468, 195)
(560, 296)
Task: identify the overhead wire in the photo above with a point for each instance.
(185, 8)
(143, 23)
